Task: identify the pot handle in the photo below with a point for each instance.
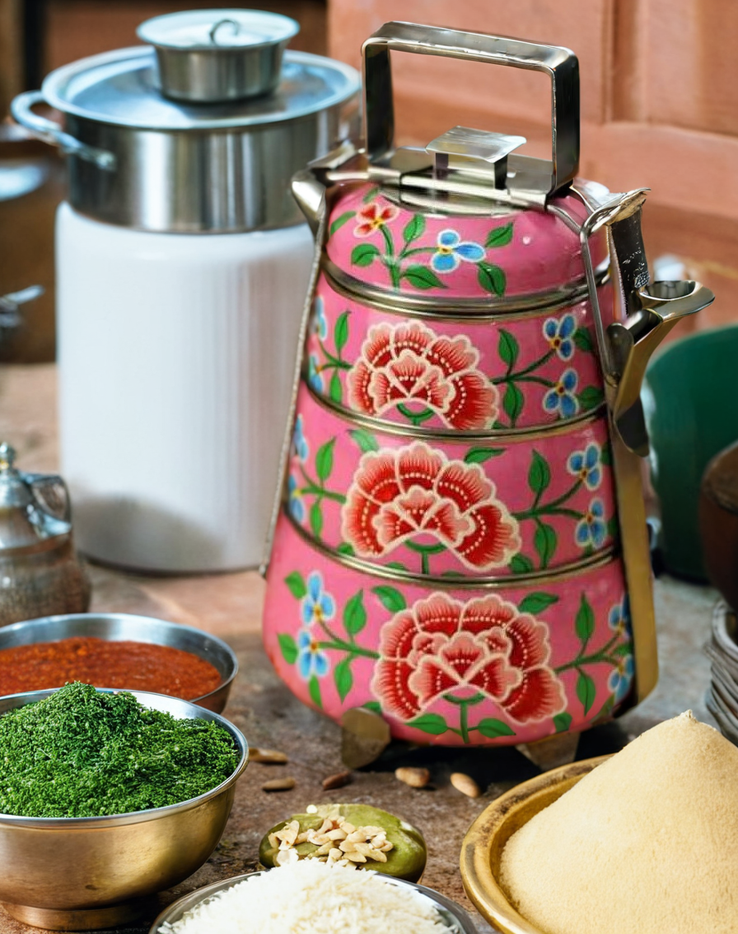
(559, 63)
(50, 132)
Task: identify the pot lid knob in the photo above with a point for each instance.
(7, 456)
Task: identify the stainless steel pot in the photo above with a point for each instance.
(139, 160)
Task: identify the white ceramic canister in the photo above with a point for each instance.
(182, 266)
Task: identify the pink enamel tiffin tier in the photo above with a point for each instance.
(460, 544)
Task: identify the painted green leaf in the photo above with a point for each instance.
(480, 455)
(345, 549)
(584, 624)
(537, 602)
(421, 277)
(606, 709)
(316, 519)
(491, 278)
(451, 573)
(370, 195)
(499, 236)
(585, 691)
(508, 348)
(335, 390)
(623, 650)
(341, 220)
(562, 722)
(373, 705)
(341, 331)
(365, 439)
(324, 460)
(544, 541)
(520, 564)
(314, 690)
(390, 598)
(364, 254)
(414, 228)
(613, 527)
(288, 647)
(296, 584)
(583, 340)
(539, 475)
(354, 614)
(490, 728)
(343, 678)
(397, 565)
(512, 402)
(430, 723)
(591, 397)
(606, 455)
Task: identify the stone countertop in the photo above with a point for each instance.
(230, 605)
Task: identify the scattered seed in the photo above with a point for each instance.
(337, 781)
(415, 778)
(465, 784)
(279, 784)
(267, 756)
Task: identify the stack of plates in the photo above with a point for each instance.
(722, 695)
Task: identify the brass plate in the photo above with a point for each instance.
(487, 836)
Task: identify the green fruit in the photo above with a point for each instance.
(406, 860)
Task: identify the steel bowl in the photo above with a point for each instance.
(209, 56)
(486, 838)
(86, 873)
(116, 627)
(455, 919)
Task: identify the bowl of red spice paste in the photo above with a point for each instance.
(117, 650)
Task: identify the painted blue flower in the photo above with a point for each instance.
(320, 322)
(451, 249)
(299, 441)
(562, 397)
(317, 605)
(296, 504)
(592, 529)
(619, 617)
(310, 659)
(560, 335)
(586, 466)
(314, 377)
(621, 678)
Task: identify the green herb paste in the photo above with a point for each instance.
(80, 753)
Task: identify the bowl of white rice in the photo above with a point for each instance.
(311, 897)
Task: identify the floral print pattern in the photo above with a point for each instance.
(317, 606)
(415, 492)
(562, 397)
(443, 648)
(451, 250)
(586, 466)
(560, 335)
(591, 531)
(411, 368)
(372, 217)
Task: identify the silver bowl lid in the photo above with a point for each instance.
(120, 88)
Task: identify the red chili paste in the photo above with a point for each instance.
(136, 666)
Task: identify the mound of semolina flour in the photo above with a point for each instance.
(310, 897)
(647, 843)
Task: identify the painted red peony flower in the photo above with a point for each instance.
(410, 364)
(371, 217)
(414, 492)
(441, 647)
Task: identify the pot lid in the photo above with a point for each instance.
(33, 507)
(120, 88)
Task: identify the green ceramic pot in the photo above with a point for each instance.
(691, 402)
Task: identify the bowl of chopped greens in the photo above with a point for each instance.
(106, 798)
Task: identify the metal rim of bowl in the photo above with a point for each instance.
(461, 923)
(84, 621)
(491, 831)
(164, 703)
